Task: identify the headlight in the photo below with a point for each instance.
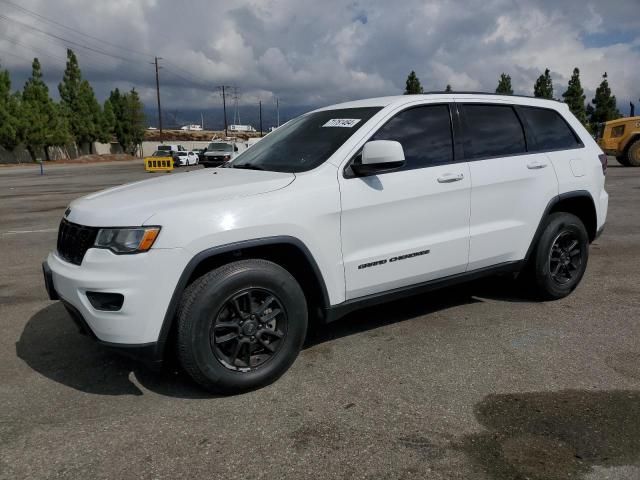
(617, 131)
(127, 240)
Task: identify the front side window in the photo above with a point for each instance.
(549, 129)
(424, 133)
(492, 131)
(305, 142)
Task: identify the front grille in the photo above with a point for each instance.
(74, 240)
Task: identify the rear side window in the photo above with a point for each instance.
(492, 131)
(549, 129)
(424, 133)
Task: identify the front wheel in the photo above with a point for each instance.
(241, 326)
(560, 257)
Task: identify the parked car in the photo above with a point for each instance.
(218, 153)
(171, 148)
(344, 207)
(185, 159)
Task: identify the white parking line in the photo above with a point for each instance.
(18, 232)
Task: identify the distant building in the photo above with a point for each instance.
(241, 128)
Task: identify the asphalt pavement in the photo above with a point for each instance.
(477, 381)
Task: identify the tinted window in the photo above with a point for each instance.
(424, 133)
(492, 131)
(549, 129)
(305, 142)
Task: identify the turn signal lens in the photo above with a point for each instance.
(148, 238)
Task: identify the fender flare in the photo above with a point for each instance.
(552, 203)
(169, 316)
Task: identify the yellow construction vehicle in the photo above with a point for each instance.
(621, 138)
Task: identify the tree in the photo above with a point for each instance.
(108, 122)
(504, 85)
(448, 89)
(604, 105)
(574, 97)
(43, 125)
(543, 88)
(413, 84)
(79, 105)
(129, 120)
(9, 103)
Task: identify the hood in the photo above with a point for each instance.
(131, 204)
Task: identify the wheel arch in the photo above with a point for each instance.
(288, 252)
(579, 203)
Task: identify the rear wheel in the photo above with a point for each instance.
(560, 258)
(633, 154)
(241, 326)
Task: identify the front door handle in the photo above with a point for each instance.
(450, 177)
(536, 165)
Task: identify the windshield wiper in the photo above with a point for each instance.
(247, 166)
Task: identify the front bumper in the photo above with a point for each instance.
(146, 280)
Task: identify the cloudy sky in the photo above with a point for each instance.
(310, 52)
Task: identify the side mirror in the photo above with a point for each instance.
(379, 156)
(235, 148)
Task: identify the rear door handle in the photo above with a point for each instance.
(450, 177)
(536, 165)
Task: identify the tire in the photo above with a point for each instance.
(214, 324)
(554, 278)
(633, 154)
(622, 160)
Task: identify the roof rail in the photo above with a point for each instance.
(440, 92)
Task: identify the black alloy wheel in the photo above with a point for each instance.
(249, 329)
(565, 257)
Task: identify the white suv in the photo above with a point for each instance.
(343, 207)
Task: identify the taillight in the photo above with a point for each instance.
(604, 161)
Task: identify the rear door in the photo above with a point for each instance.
(412, 225)
(510, 185)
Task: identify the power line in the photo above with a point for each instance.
(33, 49)
(65, 40)
(48, 20)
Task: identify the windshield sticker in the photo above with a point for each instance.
(342, 122)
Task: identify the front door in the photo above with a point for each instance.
(412, 225)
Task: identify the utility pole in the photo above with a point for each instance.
(278, 111)
(224, 106)
(158, 95)
(260, 104)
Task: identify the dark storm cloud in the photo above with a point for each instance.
(312, 53)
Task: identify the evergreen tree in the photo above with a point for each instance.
(543, 88)
(574, 97)
(604, 105)
(43, 124)
(79, 105)
(129, 120)
(413, 84)
(448, 89)
(136, 118)
(504, 85)
(108, 122)
(9, 137)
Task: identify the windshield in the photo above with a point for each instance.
(159, 154)
(220, 147)
(305, 142)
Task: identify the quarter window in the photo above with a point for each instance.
(424, 133)
(549, 129)
(492, 131)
